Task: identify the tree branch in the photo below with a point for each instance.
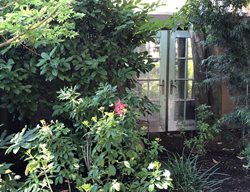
(32, 27)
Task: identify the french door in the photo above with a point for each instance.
(153, 84)
(170, 84)
(181, 101)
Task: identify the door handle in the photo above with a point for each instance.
(162, 85)
(172, 85)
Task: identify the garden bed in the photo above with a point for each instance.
(225, 152)
(232, 165)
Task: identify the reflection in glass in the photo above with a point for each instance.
(144, 88)
(180, 68)
(190, 55)
(184, 74)
(180, 89)
(180, 47)
(154, 90)
(190, 89)
(179, 111)
(154, 73)
(190, 69)
(190, 110)
(153, 48)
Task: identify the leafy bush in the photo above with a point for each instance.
(104, 154)
(91, 147)
(116, 163)
(188, 176)
(207, 127)
(103, 52)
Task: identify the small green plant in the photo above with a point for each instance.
(246, 153)
(207, 129)
(51, 155)
(188, 176)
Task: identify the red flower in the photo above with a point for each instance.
(119, 107)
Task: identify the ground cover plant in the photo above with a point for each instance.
(188, 174)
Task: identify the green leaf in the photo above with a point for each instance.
(165, 185)
(22, 139)
(127, 164)
(4, 168)
(111, 170)
(54, 72)
(52, 52)
(32, 165)
(159, 185)
(45, 56)
(151, 187)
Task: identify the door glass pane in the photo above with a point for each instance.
(144, 87)
(180, 47)
(189, 48)
(154, 120)
(154, 74)
(154, 90)
(180, 87)
(190, 69)
(143, 75)
(190, 110)
(180, 68)
(153, 48)
(149, 84)
(179, 110)
(190, 89)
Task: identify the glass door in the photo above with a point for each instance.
(153, 84)
(181, 101)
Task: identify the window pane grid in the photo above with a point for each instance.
(184, 79)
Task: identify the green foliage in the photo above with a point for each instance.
(4, 139)
(246, 153)
(188, 176)
(93, 150)
(8, 180)
(241, 116)
(36, 21)
(207, 127)
(226, 31)
(104, 154)
(78, 108)
(103, 51)
(51, 154)
(116, 163)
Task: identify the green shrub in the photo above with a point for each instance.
(207, 129)
(188, 176)
(103, 52)
(104, 154)
(116, 157)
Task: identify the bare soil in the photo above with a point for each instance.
(224, 151)
(233, 165)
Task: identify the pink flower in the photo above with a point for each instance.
(119, 107)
